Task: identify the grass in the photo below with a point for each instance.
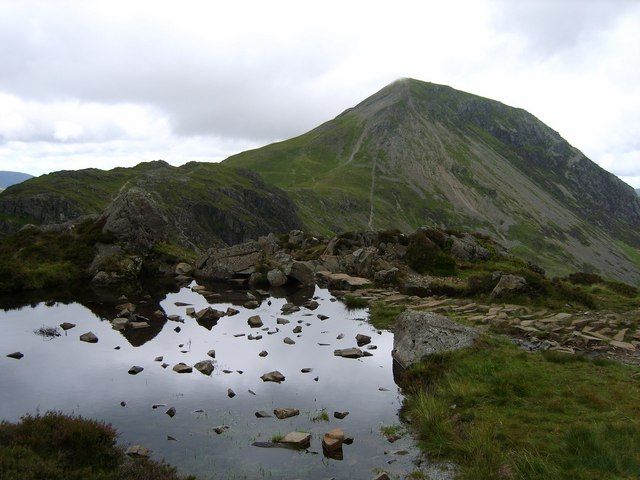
(382, 315)
(502, 413)
(353, 302)
(277, 437)
(54, 446)
(391, 430)
(323, 416)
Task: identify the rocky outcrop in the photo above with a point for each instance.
(227, 262)
(509, 284)
(417, 334)
(134, 217)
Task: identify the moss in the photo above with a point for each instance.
(58, 447)
(351, 301)
(425, 256)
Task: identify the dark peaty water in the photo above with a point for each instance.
(68, 375)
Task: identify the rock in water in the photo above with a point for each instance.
(255, 321)
(362, 339)
(205, 367)
(230, 393)
(282, 413)
(297, 439)
(135, 370)
(138, 451)
(171, 412)
(67, 326)
(182, 368)
(274, 376)
(332, 440)
(288, 341)
(349, 353)
(212, 353)
(417, 334)
(340, 415)
(16, 355)
(89, 337)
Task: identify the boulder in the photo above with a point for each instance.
(467, 248)
(276, 277)
(302, 272)
(205, 367)
(274, 376)
(362, 339)
(297, 439)
(417, 334)
(386, 277)
(311, 304)
(288, 308)
(232, 311)
(255, 321)
(509, 284)
(89, 337)
(225, 263)
(183, 268)
(282, 321)
(209, 315)
(282, 413)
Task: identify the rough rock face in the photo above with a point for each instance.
(135, 218)
(38, 208)
(417, 334)
(224, 263)
(508, 284)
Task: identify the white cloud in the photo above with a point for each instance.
(105, 83)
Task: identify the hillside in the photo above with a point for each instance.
(11, 178)
(202, 203)
(417, 153)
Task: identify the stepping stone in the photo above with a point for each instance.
(135, 370)
(282, 413)
(332, 440)
(282, 321)
(67, 326)
(205, 367)
(89, 337)
(349, 353)
(255, 321)
(362, 339)
(182, 368)
(298, 439)
(274, 376)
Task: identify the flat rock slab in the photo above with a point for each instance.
(417, 334)
(299, 439)
(349, 353)
(282, 413)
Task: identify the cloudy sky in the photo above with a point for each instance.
(112, 83)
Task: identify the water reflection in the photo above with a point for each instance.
(92, 380)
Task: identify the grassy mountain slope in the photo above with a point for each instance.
(417, 153)
(204, 203)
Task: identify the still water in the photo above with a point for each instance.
(65, 374)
